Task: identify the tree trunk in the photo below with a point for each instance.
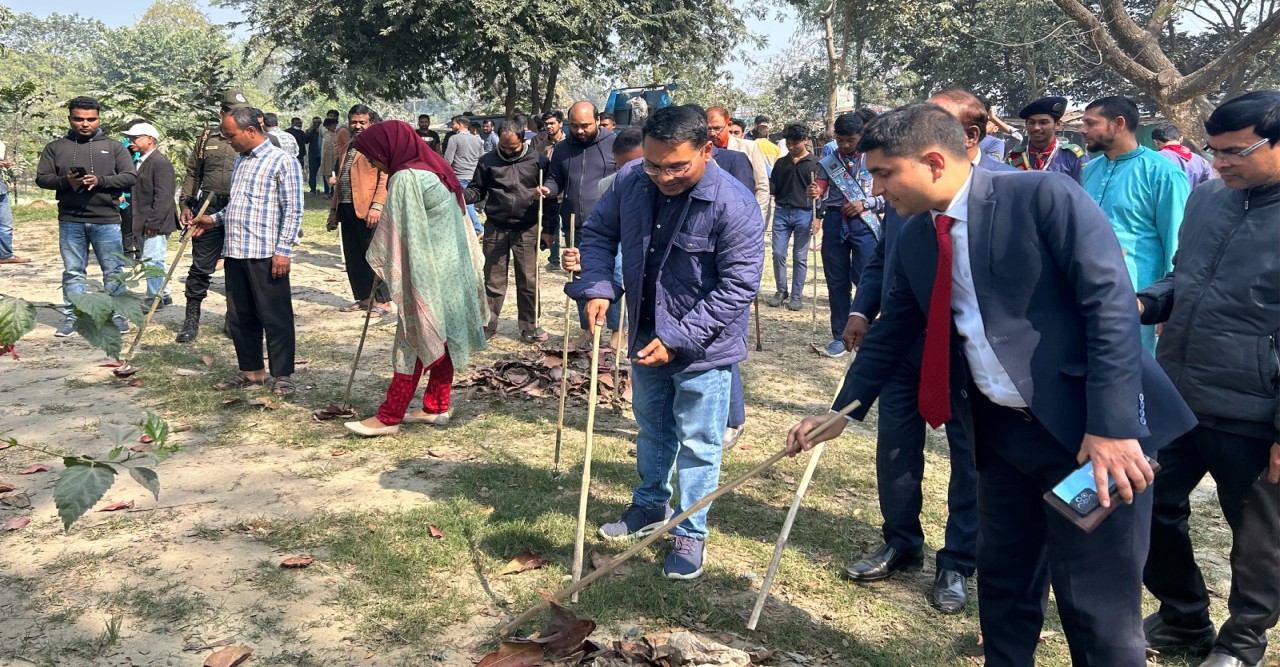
(549, 98)
(535, 90)
(509, 78)
(857, 72)
(833, 65)
(1188, 116)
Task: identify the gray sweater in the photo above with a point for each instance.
(463, 153)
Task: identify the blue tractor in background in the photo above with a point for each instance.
(631, 106)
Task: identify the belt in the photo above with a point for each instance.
(836, 209)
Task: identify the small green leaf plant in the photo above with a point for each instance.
(92, 310)
(87, 479)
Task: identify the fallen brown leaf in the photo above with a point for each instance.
(514, 653)
(525, 561)
(16, 523)
(207, 359)
(338, 452)
(5, 488)
(117, 506)
(332, 411)
(435, 532)
(187, 373)
(5, 445)
(135, 382)
(264, 402)
(232, 401)
(228, 657)
(142, 448)
(599, 560)
(112, 364)
(39, 467)
(298, 561)
(17, 500)
(145, 439)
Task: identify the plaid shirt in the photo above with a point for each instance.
(265, 209)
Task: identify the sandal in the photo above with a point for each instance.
(379, 311)
(237, 381)
(284, 387)
(354, 308)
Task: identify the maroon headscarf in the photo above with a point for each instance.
(397, 146)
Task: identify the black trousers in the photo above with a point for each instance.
(129, 242)
(206, 250)
(500, 245)
(356, 237)
(1024, 545)
(900, 436)
(1251, 506)
(258, 304)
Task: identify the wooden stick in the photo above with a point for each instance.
(675, 521)
(155, 302)
(592, 394)
(368, 312)
(759, 343)
(617, 359)
(814, 455)
(537, 273)
(564, 362)
(813, 270)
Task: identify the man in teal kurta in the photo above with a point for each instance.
(1142, 193)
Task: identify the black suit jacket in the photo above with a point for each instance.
(1057, 305)
(153, 199)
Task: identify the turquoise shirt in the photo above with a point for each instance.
(1143, 195)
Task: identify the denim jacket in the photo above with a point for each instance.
(709, 275)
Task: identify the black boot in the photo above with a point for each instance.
(191, 325)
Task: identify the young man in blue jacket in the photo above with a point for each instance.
(692, 254)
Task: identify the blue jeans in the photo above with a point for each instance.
(153, 251)
(681, 419)
(613, 316)
(6, 227)
(842, 262)
(786, 223)
(74, 241)
(471, 211)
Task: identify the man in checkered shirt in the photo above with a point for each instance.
(261, 223)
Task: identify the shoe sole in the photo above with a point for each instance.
(682, 577)
(59, 334)
(645, 531)
(943, 610)
(420, 420)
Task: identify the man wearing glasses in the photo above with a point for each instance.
(692, 253)
(1221, 310)
(89, 172)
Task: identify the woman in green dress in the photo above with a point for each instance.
(425, 251)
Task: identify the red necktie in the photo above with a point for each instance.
(935, 380)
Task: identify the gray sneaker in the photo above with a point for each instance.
(66, 328)
(686, 559)
(121, 323)
(636, 522)
(835, 349)
(796, 303)
(731, 436)
(777, 299)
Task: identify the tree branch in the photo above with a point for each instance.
(1160, 16)
(1132, 38)
(1112, 54)
(1207, 79)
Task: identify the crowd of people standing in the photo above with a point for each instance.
(1012, 297)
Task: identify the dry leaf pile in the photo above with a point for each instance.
(536, 375)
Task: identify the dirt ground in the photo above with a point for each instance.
(167, 582)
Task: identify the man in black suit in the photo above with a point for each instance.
(155, 211)
(1032, 340)
(900, 429)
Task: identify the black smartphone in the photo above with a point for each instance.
(1080, 492)
(78, 172)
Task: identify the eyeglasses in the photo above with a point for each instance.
(672, 172)
(1226, 154)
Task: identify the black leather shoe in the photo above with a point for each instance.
(1167, 638)
(1225, 660)
(883, 564)
(949, 594)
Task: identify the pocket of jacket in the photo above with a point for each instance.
(1268, 364)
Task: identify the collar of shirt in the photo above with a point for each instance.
(958, 209)
(258, 150)
(143, 158)
(977, 157)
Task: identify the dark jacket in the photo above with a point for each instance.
(508, 189)
(709, 274)
(154, 204)
(99, 155)
(1221, 309)
(737, 164)
(1058, 309)
(576, 170)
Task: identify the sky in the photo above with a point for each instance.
(123, 12)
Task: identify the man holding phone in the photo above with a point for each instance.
(89, 172)
(1017, 283)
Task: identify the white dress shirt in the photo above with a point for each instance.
(988, 374)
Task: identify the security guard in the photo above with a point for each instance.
(1044, 151)
(208, 173)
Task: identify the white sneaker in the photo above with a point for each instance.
(370, 432)
(426, 418)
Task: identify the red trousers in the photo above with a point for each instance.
(435, 399)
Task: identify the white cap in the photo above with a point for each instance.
(143, 130)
